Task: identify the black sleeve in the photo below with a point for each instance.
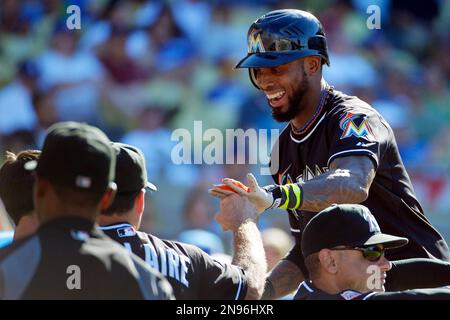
(218, 281)
(416, 294)
(417, 273)
(357, 131)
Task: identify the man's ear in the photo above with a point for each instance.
(108, 196)
(140, 202)
(328, 261)
(312, 65)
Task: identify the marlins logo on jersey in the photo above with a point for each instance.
(350, 128)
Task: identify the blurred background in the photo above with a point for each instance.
(140, 69)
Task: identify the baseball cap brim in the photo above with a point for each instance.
(387, 240)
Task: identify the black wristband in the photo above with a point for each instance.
(288, 196)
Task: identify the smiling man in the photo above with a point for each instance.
(335, 149)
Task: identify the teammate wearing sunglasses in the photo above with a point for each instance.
(344, 249)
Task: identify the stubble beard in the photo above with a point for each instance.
(294, 102)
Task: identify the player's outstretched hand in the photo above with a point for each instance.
(223, 190)
(235, 210)
(260, 197)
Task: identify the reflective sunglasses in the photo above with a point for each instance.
(370, 253)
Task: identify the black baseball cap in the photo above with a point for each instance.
(345, 225)
(131, 172)
(76, 155)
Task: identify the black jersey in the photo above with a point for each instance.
(307, 291)
(346, 126)
(192, 273)
(69, 259)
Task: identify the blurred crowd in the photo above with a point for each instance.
(139, 69)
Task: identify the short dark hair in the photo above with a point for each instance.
(76, 198)
(123, 202)
(312, 263)
(16, 184)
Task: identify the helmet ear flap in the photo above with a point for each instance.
(251, 73)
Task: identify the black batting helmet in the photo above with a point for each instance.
(282, 36)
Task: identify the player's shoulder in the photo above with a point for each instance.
(98, 251)
(105, 253)
(341, 104)
(343, 108)
(156, 241)
(187, 249)
(102, 249)
(183, 248)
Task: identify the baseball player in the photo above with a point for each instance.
(16, 192)
(192, 273)
(335, 149)
(68, 258)
(350, 263)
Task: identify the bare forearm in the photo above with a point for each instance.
(249, 255)
(284, 278)
(339, 186)
(347, 181)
